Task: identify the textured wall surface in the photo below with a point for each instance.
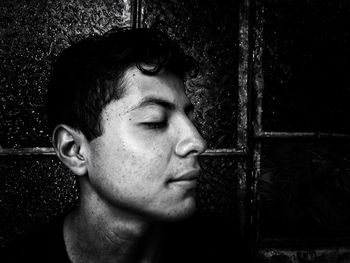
(218, 191)
(32, 34)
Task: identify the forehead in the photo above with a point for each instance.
(164, 85)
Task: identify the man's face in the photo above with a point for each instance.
(146, 159)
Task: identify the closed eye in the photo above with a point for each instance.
(156, 125)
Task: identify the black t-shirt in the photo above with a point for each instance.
(201, 239)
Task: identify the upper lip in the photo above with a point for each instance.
(186, 176)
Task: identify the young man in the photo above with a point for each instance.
(121, 122)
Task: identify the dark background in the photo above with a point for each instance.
(294, 173)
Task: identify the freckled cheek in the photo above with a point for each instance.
(149, 145)
(143, 156)
(152, 166)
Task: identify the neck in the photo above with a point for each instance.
(99, 232)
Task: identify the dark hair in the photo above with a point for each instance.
(89, 74)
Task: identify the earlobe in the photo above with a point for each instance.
(69, 145)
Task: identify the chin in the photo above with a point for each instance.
(180, 213)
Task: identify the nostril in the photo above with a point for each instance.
(199, 145)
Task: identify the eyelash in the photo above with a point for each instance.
(156, 125)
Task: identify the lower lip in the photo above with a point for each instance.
(185, 183)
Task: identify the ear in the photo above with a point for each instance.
(70, 146)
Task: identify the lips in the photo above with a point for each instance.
(187, 176)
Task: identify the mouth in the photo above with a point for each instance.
(187, 178)
(185, 184)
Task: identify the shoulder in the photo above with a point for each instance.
(44, 244)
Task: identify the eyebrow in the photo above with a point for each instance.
(162, 103)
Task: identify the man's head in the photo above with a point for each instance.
(90, 74)
(122, 122)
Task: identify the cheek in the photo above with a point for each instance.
(128, 150)
(146, 166)
(133, 160)
(153, 148)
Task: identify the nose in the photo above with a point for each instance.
(189, 141)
